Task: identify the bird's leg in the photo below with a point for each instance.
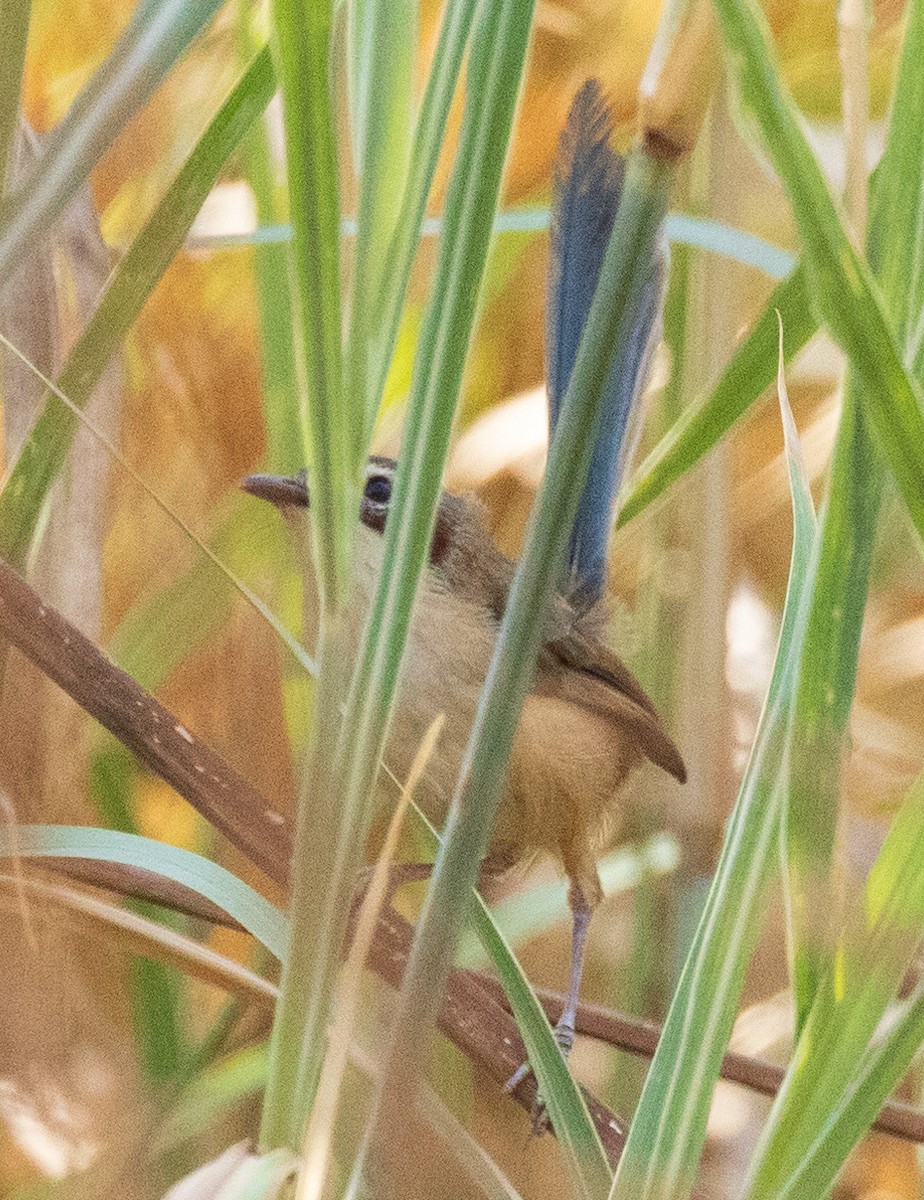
(581, 912)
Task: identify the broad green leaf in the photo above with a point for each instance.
(863, 976)
(749, 372)
(251, 910)
(661, 1157)
(151, 253)
(840, 282)
(158, 34)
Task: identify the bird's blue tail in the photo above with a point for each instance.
(586, 189)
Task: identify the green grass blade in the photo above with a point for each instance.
(847, 538)
(427, 141)
(240, 901)
(750, 371)
(152, 251)
(661, 1156)
(14, 33)
(580, 1144)
(383, 35)
(159, 32)
(625, 270)
(862, 978)
(302, 43)
(854, 1110)
(334, 841)
(840, 282)
(284, 453)
(157, 991)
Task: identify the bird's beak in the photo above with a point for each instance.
(282, 490)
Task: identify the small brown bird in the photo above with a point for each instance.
(585, 725)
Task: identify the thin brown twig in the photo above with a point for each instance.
(480, 1027)
(475, 1013)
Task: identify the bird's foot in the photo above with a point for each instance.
(564, 1035)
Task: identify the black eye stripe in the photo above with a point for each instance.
(378, 489)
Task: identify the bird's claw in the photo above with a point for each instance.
(564, 1035)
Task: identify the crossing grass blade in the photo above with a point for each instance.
(820, 1097)
(158, 34)
(661, 1156)
(240, 901)
(840, 282)
(383, 38)
(302, 38)
(846, 541)
(46, 448)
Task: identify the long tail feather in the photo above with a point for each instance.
(586, 190)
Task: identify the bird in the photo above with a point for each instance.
(585, 727)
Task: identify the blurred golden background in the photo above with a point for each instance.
(697, 583)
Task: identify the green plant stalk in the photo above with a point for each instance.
(298, 1040)
(447, 906)
(428, 138)
(385, 38)
(159, 32)
(14, 33)
(847, 534)
(661, 1156)
(302, 33)
(840, 281)
(335, 839)
(150, 254)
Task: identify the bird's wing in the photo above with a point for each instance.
(582, 671)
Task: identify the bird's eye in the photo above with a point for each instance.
(378, 489)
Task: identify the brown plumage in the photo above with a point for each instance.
(585, 726)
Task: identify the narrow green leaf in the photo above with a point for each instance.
(336, 831)
(426, 143)
(857, 1105)
(159, 32)
(14, 33)
(302, 43)
(151, 253)
(156, 990)
(840, 281)
(567, 1110)
(863, 976)
(284, 452)
(847, 537)
(383, 35)
(662, 1153)
(749, 372)
(251, 910)
(625, 270)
